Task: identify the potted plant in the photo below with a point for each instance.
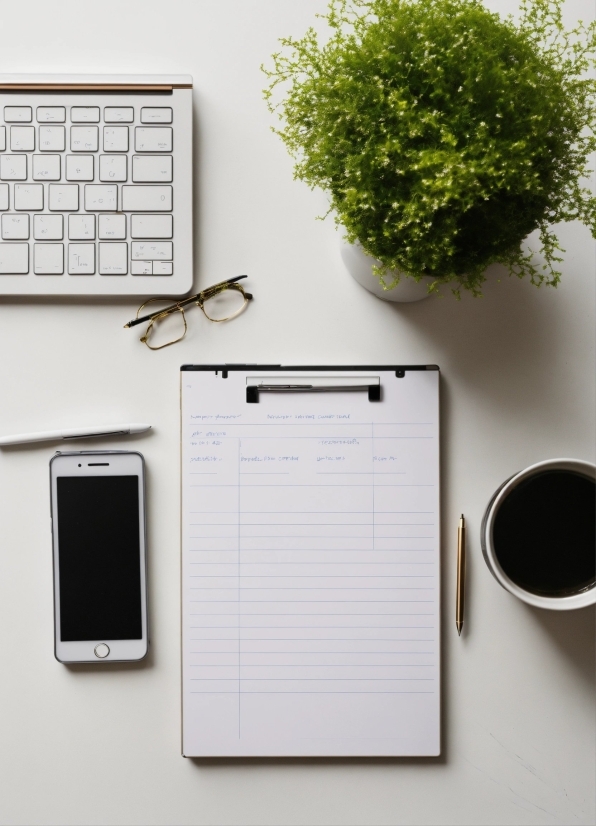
(443, 134)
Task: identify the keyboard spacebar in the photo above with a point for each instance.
(146, 198)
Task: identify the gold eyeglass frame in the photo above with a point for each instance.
(178, 307)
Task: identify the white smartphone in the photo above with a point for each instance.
(99, 549)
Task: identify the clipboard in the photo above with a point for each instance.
(310, 560)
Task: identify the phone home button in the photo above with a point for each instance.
(101, 650)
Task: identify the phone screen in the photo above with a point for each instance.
(99, 558)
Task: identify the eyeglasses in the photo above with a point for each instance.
(221, 302)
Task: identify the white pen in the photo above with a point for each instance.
(74, 433)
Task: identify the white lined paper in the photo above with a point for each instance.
(310, 581)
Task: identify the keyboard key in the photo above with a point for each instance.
(163, 268)
(81, 227)
(141, 268)
(152, 168)
(156, 114)
(101, 198)
(15, 227)
(81, 259)
(119, 114)
(14, 258)
(64, 197)
(46, 167)
(2, 138)
(52, 138)
(22, 138)
(115, 139)
(51, 114)
(28, 196)
(3, 196)
(84, 138)
(48, 259)
(79, 168)
(48, 227)
(153, 139)
(112, 167)
(18, 114)
(13, 167)
(84, 114)
(113, 259)
(152, 251)
(145, 198)
(151, 226)
(111, 227)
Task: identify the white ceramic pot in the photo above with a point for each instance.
(360, 266)
(555, 603)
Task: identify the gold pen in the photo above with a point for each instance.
(461, 574)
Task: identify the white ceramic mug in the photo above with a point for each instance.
(556, 603)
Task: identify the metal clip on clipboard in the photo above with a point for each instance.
(253, 390)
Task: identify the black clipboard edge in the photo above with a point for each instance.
(225, 368)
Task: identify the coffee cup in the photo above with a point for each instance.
(537, 534)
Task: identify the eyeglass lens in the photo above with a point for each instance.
(164, 330)
(224, 305)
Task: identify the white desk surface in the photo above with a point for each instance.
(93, 745)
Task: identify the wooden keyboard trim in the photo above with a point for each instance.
(92, 87)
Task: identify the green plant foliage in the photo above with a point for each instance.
(444, 134)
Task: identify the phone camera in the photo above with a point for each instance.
(79, 466)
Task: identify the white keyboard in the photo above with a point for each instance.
(96, 185)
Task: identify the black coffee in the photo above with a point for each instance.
(544, 533)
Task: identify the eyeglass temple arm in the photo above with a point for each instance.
(183, 303)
